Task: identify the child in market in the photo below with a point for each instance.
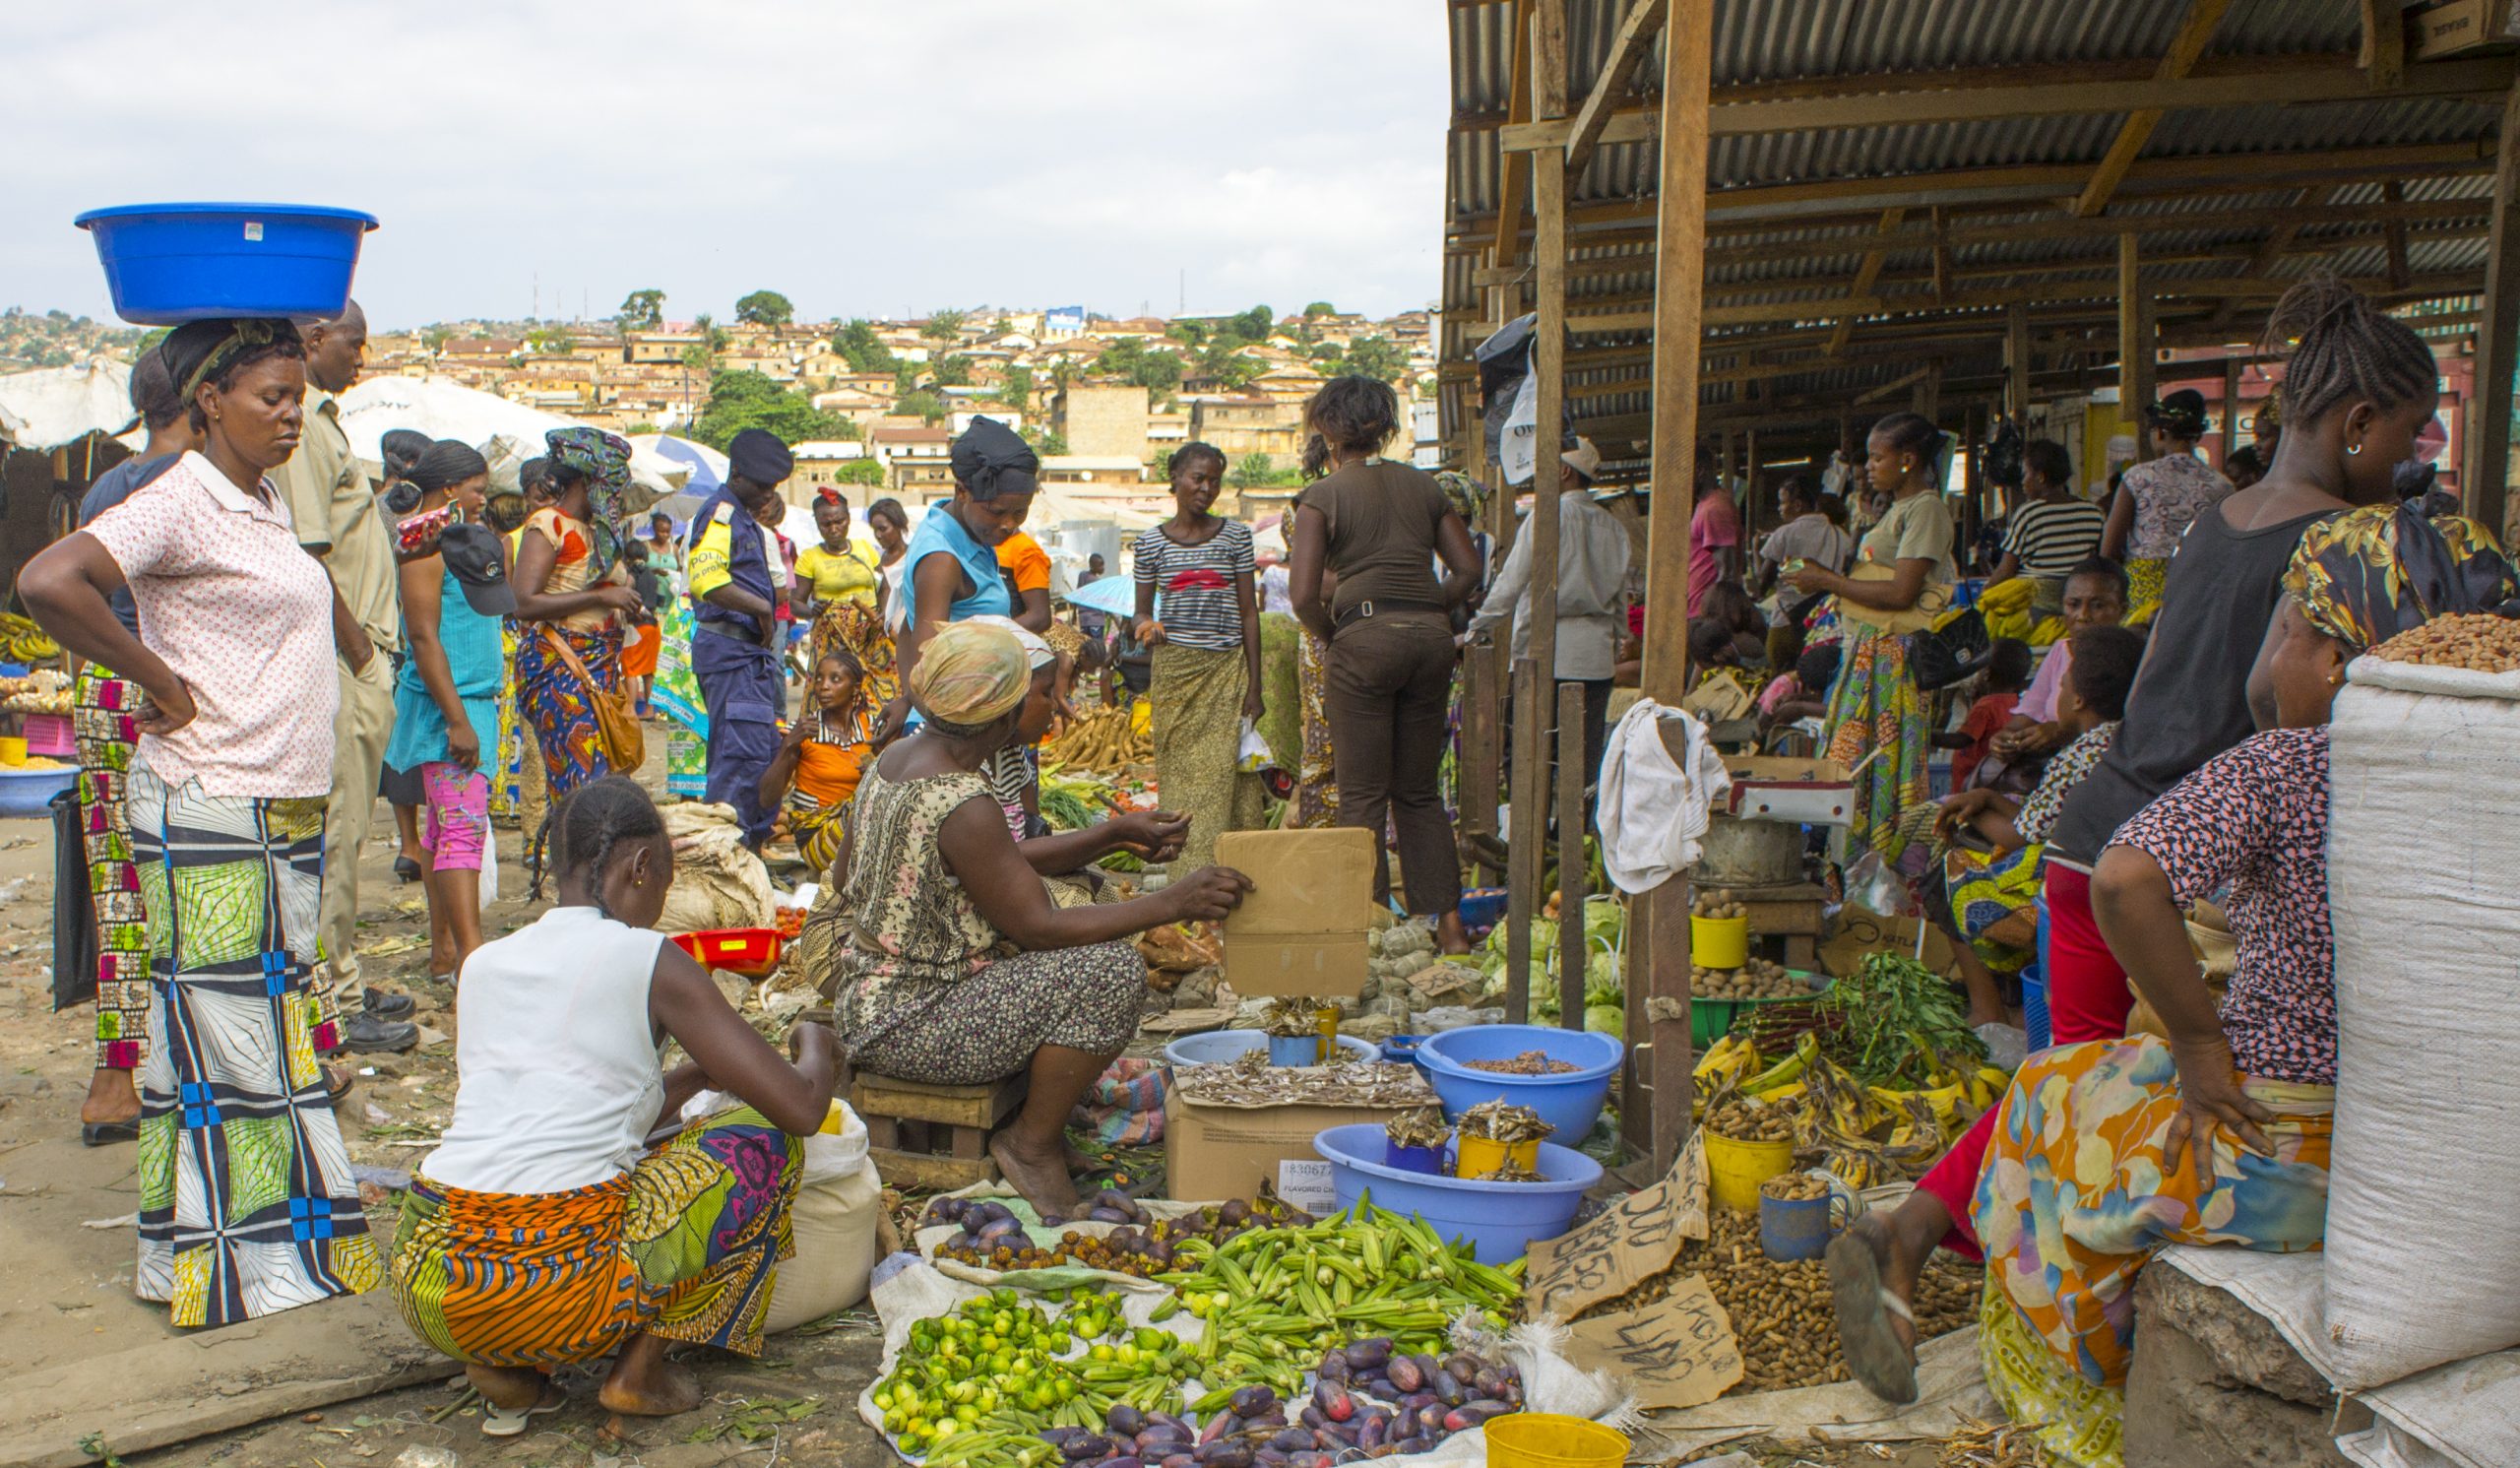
(1998, 692)
(817, 767)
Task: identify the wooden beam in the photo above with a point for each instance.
(2134, 342)
(2203, 16)
(2230, 408)
(1512, 169)
(2384, 43)
(2486, 480)
(2017, 364)
(1865, 275)
(1658, 1064)
(1636, 32)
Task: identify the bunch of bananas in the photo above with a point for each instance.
(22, 641)
(1865, 1134)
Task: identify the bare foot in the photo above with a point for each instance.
(1451, 936)
(644, 1383)
(1040, 1175)
(110, 1098)
(509, 1386)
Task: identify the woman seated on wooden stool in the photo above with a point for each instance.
(545, 1230)
(960, 967)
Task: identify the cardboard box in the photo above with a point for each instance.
(2459, 26)
(1302, 929)
(1212, 1152)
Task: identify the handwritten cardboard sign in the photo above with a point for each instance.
(1677, 1351)
(1634, 1240)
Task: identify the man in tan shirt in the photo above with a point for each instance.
(340, 521)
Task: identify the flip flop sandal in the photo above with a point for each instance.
(510, 1422)
(107, 1133)
(1875, 1354)
(333, 1094)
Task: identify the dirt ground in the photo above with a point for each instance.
(64, 1225)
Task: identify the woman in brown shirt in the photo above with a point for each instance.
(1377, 527)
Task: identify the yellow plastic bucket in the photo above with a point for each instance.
(1547, 1440)
(1480, 1156)
(13, 750)
(1719, 943)
(1736, 1169)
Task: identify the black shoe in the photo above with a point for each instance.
(107, 1133)
(406, 869)
(385, 1005)
(365, 1033)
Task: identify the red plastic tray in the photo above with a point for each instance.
(740, 950)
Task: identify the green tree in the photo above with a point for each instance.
(710, 332)
(1252, 472)
(1376, 357)
(764, 308)
(435, 338)
(1049, 443)
(953, 370)
(860, 472)
(867, 352)
(1001, 326)
(741, 400)
(1253, 325)
(1156, 371)
(642, 310)
(1321, 308)
(922, 405)
(698, 358)
(1016, 391)
(905, 378)
(943, 325)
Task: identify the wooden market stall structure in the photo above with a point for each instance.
(1760, 224)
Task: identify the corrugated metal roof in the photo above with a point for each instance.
(1783, 261)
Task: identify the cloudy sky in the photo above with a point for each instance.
(862, 158)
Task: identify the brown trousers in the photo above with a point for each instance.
(1387, 693)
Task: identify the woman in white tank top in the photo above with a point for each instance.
(545, 1230)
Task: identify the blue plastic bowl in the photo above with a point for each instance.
(1501, 1220)
(1217, 1046)
(1482, 907)
(29, 793)
(1571, 1102)
(168, 264)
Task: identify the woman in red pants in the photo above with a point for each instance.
(2352, 374)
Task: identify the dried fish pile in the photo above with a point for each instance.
(1249, 1079)
(1426, 1129)
(1287, 1018)
(1501, 1122)
(1989, 1445)
(1529, 1062)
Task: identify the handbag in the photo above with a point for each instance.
(73, 919)
(1931, 603)
(625, 744)
(1950, 650)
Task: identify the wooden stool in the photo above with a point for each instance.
(1793, 912)
(932, 1136)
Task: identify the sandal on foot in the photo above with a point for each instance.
(1864, 1307)
(406, 869)
(107, 1133)
(510, 1422)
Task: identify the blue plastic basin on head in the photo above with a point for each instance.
(30, 791)
(168, 264)
(1570, 1102)
(1500, 1220)
(1217, 1046)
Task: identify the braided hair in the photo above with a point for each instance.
(596, 818)
(2344, 348)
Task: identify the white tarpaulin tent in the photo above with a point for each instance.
(52, 405)
(447, 409)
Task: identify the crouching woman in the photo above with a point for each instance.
(552, 1225)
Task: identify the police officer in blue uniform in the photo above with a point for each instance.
(734, 647)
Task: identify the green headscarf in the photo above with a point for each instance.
(605, 459)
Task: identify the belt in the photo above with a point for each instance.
(1370, 607)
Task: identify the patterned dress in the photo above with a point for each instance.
(2169, 494)
(102, 719)
(928, 990)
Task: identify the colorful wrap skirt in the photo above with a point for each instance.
(1986, 890)
(1316, 775)
(856, 626)
(1877, 727)
(2073, 1196)
(102, 719)
(1198, 695)
(561, 707)
(681, 1246)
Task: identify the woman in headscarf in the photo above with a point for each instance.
(2159, 498)
(246, 1202)
(845, 589)
(958, 967)
(572, 597)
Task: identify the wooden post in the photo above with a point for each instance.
(1656, 1108)
(2230, 407)
(1572, 880)
(1750, 492)
(1530, 837)
(2487, 461)
(1524, 840)
(2134, 344)
(2017, 364)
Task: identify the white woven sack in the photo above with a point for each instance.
(2423, 877)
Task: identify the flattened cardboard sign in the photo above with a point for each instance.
(1301, 930)
(1632, 1241)
(1677, 1351)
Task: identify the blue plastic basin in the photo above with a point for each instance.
(1570, 1102)
(168, 264)
(1217, 1046)
(30, 791)
(1500, 1220)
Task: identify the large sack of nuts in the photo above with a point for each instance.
(716, 881)
(2423, 876)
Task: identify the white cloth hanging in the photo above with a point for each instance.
(1655, 809)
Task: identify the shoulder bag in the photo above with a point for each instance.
(625, 744)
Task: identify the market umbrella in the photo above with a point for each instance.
(1116, 594)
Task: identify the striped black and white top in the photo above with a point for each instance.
(1195, 584)
(2052, 537)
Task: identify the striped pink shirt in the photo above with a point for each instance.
(244, 617)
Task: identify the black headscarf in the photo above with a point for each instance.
(991, 460)
(197, 352)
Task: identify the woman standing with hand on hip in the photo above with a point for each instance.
(1379, 527)
(1207, 654)
(248, 1206)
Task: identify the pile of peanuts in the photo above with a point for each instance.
(1744, 1122)
(2476, 641)
(1794, 1187)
